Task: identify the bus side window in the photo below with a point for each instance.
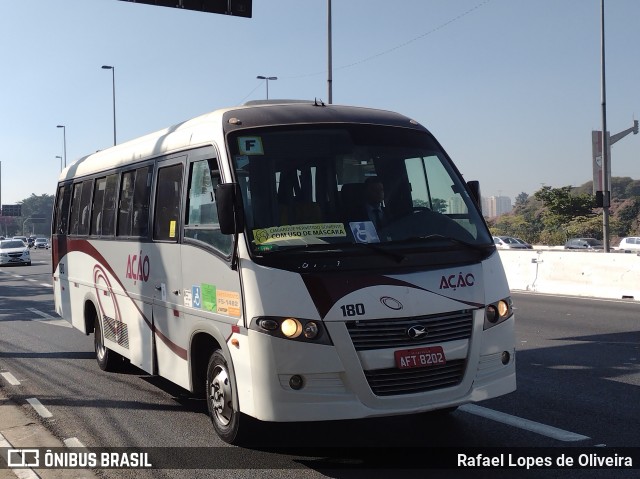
(167, 205)
(109, 206)
(126, 200)
(141, 198)
(133, 211)
(62, 209)
(75, 209)
(85, 208)
(202, 219)
(98, 198)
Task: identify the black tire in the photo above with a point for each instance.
(107, 359)
(222, 400)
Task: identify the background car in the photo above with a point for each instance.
(629, 244)
(23, 239)
(507, 242)
(584, 243)
(41, 243)
(521, 241)
(14, 251)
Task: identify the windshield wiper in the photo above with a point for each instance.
(437, 237)
(326, 248)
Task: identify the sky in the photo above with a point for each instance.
(510, 88)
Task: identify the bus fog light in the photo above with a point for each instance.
(291, 328)
(296, 382)
(506, 357)
(310, 330)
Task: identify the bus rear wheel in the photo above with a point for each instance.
(221, 400)
(107, 359)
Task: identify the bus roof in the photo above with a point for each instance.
(209, 128)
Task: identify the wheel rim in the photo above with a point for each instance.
(100, 348)
(220, 396)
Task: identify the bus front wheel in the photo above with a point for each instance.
(221, 398)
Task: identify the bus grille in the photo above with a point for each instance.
(392, 333)
(389, 382)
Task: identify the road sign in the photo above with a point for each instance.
(237, 8)
(11, 210)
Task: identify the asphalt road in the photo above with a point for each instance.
(578, 377)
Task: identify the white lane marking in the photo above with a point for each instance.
(48, 319)
(40, 409)
(515, 421)
(10, 378)
(73, 442)
(22, 473)
(47, 285)
(40, 313)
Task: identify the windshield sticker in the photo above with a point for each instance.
(364, 232)
(287, 232)
(250, 145)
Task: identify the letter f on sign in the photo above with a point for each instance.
(250, 145)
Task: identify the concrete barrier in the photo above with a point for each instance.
(578, 273)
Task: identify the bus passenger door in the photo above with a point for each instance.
(170, 334)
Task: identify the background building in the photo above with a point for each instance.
(496, 206)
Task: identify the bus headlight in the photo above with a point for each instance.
(497, 312)
(291, 327)
(296, 329)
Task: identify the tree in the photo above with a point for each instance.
(521, 200)
(34, 207)
(632, 189)
(562, 206)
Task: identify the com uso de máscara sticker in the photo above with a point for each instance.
(287, 232)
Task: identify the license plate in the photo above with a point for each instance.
(420, 358)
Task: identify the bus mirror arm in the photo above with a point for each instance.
(230, 211)
(474, 188)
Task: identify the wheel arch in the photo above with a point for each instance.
(203, 344)
(90, 315)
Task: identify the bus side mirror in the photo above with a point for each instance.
(230, 212)
(474, 188)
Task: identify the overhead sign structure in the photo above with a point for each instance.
(237, 8)
(11, 210)
(596, 153)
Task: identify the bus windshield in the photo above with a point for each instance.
(326, 186)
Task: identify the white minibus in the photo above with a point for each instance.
(289, 261)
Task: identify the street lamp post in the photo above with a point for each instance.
(64, 142)
(60, 162)
(329, 56)
(113, 84)
(260, 77)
